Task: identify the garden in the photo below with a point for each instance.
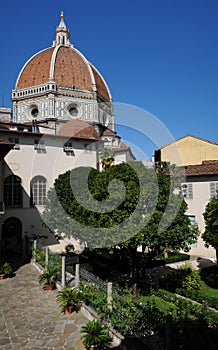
(163, 307)
(154, 315)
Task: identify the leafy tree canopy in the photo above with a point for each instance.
(101, 208)
(210, 235)
(127, 205)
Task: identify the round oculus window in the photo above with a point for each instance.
(73, 111)
(35, 112)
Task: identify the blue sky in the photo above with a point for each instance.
(158, 55)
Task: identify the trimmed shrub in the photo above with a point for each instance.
(185, 277)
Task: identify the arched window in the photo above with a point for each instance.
(38, 190)
(13, 192)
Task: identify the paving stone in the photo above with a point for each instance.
(30, 318)
(69, 328)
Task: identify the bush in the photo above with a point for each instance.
(185, 277)
(175, 257)
(93, 296)
(6, 268)
(210, 276)
(192, 280)
(39, 256)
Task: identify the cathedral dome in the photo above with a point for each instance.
(64, 66)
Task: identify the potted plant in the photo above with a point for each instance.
(48, 278)
(96, 335)
(69, 300)
(5, 270)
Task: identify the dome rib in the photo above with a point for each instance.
(101, 84)
(52, 66)
(65, 66)
(71, 69)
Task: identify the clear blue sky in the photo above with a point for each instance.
(159, 55)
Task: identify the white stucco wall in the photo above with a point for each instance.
(196, 207)
(26, 163)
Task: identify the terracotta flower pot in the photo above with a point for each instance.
(2, 276)
(49, 287)
(68, 310)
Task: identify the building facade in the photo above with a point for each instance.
(199, 159)
(200, 186)
(62, 118)
(187, 150)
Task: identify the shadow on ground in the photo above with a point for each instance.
(204, 262)
(15, 260)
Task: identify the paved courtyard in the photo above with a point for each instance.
(30, 318)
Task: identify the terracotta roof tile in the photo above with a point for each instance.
(100, 84)
(108, 132)
(208, 167)
(37, 70)
(71, 70)
(78, 128)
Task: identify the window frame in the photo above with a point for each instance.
(187, 190)
(13, 192)
(38, 190)
(213, 191)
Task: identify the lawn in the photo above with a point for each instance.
(165, 306)
(205, 294)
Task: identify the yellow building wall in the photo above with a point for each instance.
(188, 151)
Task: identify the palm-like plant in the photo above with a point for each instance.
(48, 278)
(69, 299)
(95, 334)
(107, 158)
(5, 269)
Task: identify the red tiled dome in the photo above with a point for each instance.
(67, 67)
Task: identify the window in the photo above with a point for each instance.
(13, 192)
(39, 146)
(193, 222)
(14, 140)
(38, 190)
(213, 188)
(192, 219)
(68, 149)
(73, 111)
(187, 190)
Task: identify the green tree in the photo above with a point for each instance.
(101, 208)
(127, 205)
(210, 235)
(169, 227)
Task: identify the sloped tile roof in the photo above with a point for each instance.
(108, 132)
(208, 167)
(78, 128)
